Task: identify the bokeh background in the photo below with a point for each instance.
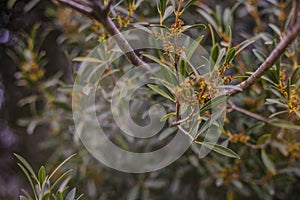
(38, 42)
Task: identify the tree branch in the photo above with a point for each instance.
(295, 10)
(93, 9)
(248, 113)
(290, 36)
(183, 120)
(186, 133)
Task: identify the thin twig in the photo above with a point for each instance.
(290, 36)
(100, 12)
(183, 120)
(255, 146)
(185, 132)
(295, 9)
(80, 7)
(248, 113)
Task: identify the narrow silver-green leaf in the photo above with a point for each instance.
(160, 91)
(221, 150)
(61, 164)
(268, 162)
(167, 116)
(166, 133)
(27, 166)
(42, 175)
(285, 124)
(195, 26)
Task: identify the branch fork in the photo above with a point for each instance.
(95, 10)
(291, 35)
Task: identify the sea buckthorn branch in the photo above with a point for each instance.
(290, 36)
(94, 10)
(248, 113)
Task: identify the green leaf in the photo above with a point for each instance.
(275, 29)
(28, 196)
(60, 165)
(220, 57)
(161, 26)
(275, 101)
(215, 116)
(29, 179)
(209, 19)
(255, 128)
(263, 139)
(156, 60)
(88, 59)
(193, 47)
(168, 12)
(213, 40)
(46, 196)
(182, 67)
(29, 6)
(227, 21)
(58, 195)
(42, 175)
(295, 76)
(259, 55)
(230, 55)
(268, 162)
(10, 4)
(213, 103)
(288, 88)
(23, 198)
(70, 88)
(220, 149)
(71, 194)
(215, 51)
(79, 197)
(278, 113)
(244, 45)
(162, 6)
(166, 133)
(167, 116)
(284, 124)
(133, 193)
(160, 91)
(27, 166)
(196, 26)
(60, 178)
(187, 5)
(268, 80)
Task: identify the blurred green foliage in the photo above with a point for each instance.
(238, 34)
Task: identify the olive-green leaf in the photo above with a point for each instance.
(196, 26)
(42, 175)
(263, 139)
(167, 116)
(166, 133)
(215, 51)
(26, 165)
(230, 55)
(268, 162)
(285, 124)
(160, 91)
(220, 149)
